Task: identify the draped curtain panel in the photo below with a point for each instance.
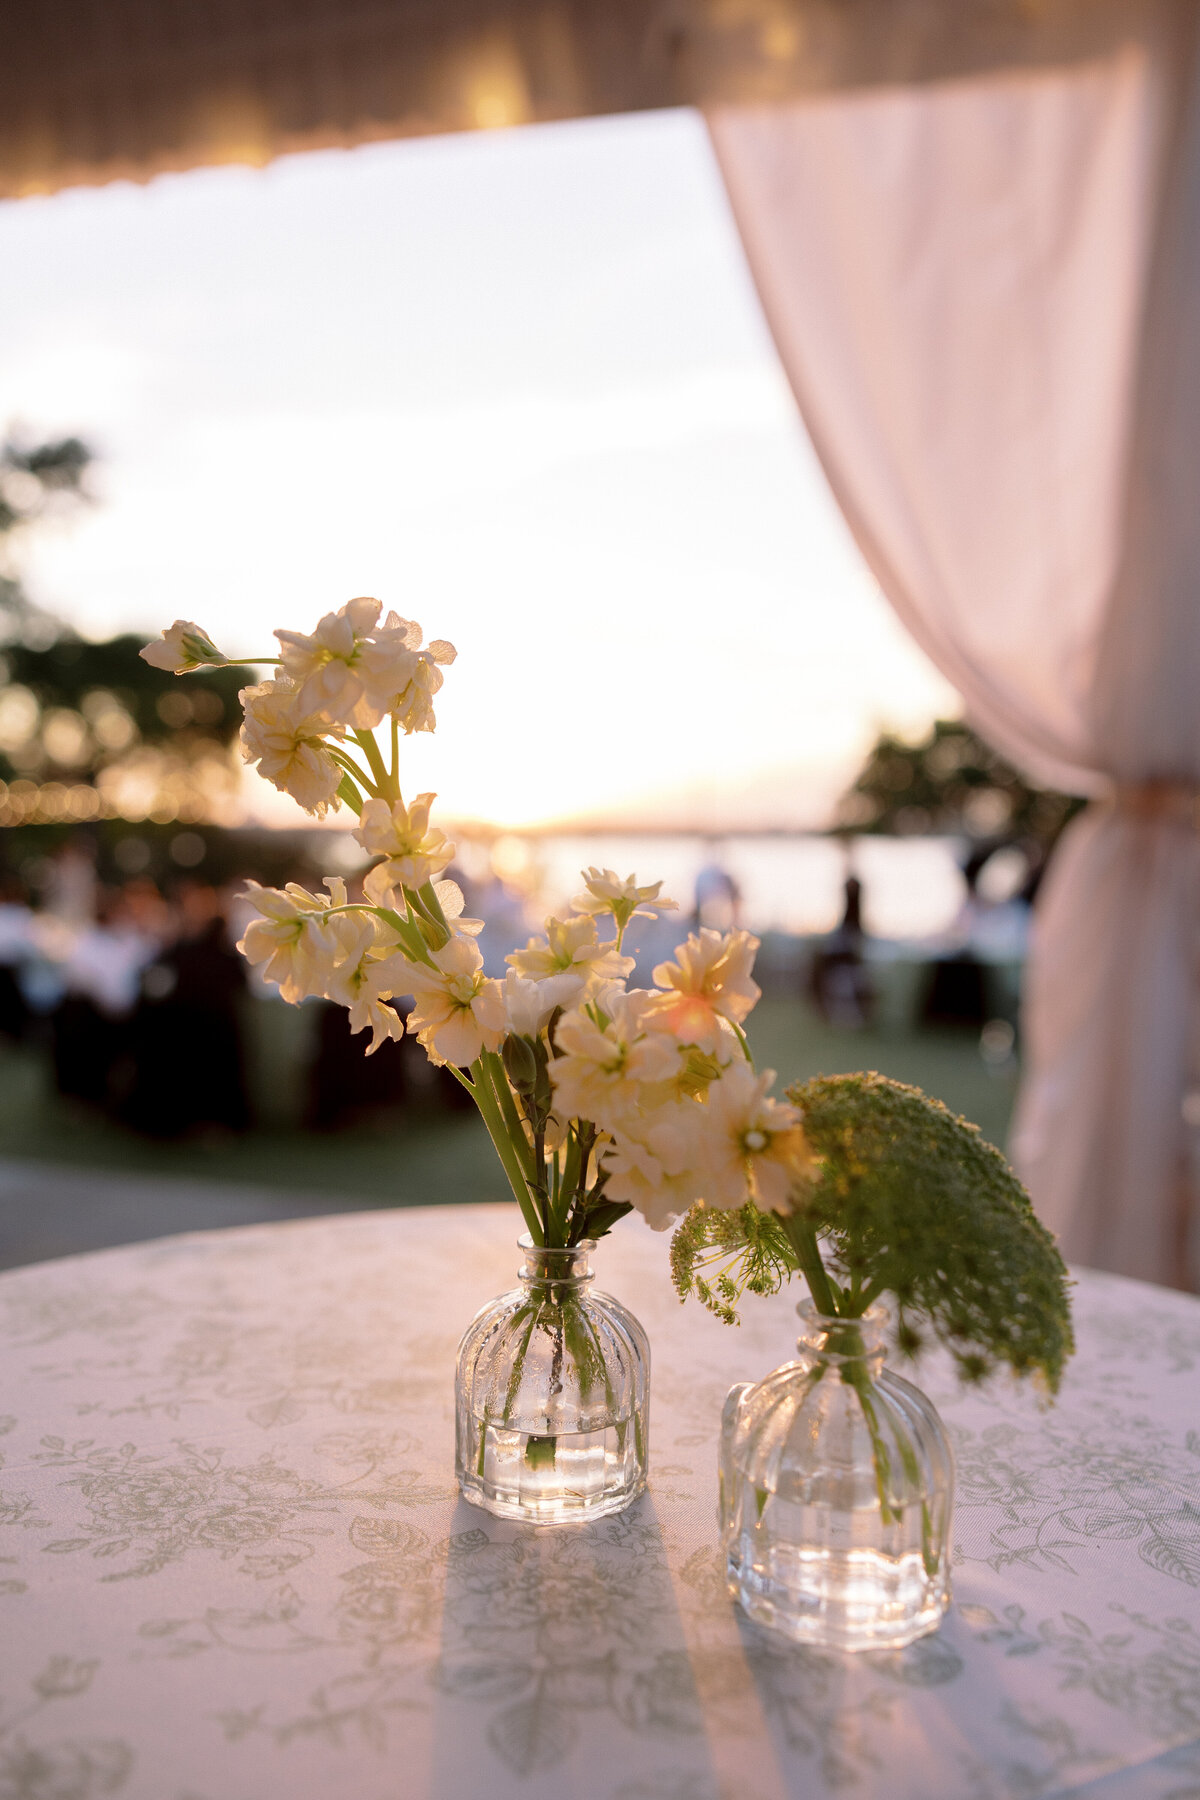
(985, 293)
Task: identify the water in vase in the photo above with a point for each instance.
(552, 1394)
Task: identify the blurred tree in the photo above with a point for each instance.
(37, 481)
(76, 713)
(951, 781)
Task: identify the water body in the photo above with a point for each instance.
(912, 887)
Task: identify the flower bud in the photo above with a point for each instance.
(520, 1062)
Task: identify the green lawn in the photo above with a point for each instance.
(441, 1157)
(787, 1036)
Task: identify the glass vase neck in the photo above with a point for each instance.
(837, 1340)
(543, 1267)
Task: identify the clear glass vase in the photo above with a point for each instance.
(836, 1492)
(552, 1395)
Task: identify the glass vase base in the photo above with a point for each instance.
(561, 1480)
(551, 1397)
(849, 1600)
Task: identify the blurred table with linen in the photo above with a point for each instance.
(233, 1562)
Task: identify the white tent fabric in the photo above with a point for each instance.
(985, 295)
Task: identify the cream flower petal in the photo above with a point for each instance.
(709, 981)
(184, 647)
(605, 892)
(288, 745)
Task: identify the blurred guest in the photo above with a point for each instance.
(956, 985)
(838, 981)
(105, 959)
(718, 898)
(17, 948)
(71, 882)
(101, 973)
(345, 1085)
(505, 914)
(186, 1039)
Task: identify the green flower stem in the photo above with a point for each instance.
(409, 933)
(522, 1148)
(518, 1368)
(834, 1304)
(855, 1375)
(414, 944)
(539, 1163)
(744, 1041)
(439, 931)
(352, 769)
(433, 905)
(574, 1176)
(868, 1296)
(485, 1100)
(366, 742)
(609, 1394)
(571, 1165)
(820, 1285)
(396, 755)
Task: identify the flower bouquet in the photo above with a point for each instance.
(599, 1098)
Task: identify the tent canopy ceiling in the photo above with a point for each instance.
(98, 90)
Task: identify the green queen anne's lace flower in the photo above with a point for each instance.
(904, 1199)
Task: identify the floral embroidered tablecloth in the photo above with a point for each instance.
(233, 1565)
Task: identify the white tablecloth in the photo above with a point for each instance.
(233, 1565)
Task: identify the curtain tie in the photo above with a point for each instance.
(1160, 801)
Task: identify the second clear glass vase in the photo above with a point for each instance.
(836, 1492)
(552, 1396)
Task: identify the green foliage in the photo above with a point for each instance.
(36, 480)
(951, 781)
(87, 704)
(741, 1252)
(597, 1218)
(36, 477)
(913, 1202)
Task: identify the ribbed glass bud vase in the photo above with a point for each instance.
(836, 1492)
(552, 1395)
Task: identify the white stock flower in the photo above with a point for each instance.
(286, 938)
(288, 745)
(186, 646)
(365, 976)
(601, 1070)
(326, 665)
(356, 672)
(310, 947)
(710, 982)
(751, 1147)
(459, 1011)
(400, 677)
(605, 892)
(415, 851)
(571, 945)
(528, 1004)
(651, 1164)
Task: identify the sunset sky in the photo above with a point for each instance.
(517, 385)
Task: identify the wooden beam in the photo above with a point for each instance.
(96, 90)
